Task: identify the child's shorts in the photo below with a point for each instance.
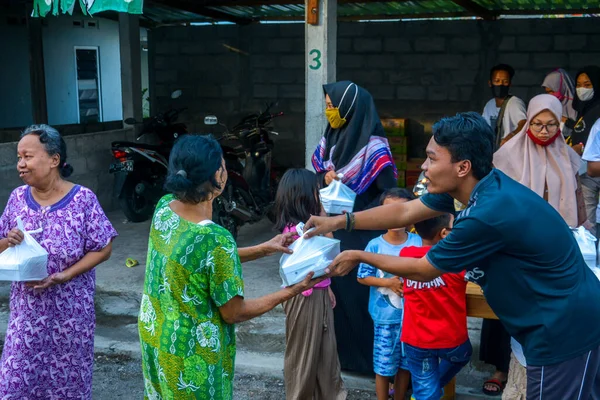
(387, 350)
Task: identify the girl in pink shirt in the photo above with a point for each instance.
(311, 365)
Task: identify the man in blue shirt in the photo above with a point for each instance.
(512, 243)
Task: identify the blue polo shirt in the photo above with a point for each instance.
(524, 256)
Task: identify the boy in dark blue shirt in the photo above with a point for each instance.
(512, 243)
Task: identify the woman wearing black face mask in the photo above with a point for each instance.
(355, 145)
(585, 129)
(505, 113)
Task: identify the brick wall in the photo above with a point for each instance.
(422, 70)
(90, 156)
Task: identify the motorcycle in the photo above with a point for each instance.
(249, 194)
(140, 169)
(420, 187)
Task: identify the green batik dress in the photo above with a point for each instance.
(188, 351)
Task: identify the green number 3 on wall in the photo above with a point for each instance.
(316, 61)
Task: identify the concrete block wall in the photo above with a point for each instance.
(422, 69)
(90, 156)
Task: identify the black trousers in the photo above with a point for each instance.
(495, 345)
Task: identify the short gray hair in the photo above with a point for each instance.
(53, 144)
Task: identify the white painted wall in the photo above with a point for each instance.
(15, 89)
(60, 39)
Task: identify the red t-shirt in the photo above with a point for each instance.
(435, 313)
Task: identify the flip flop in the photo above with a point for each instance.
(130, 262)
(496, 383)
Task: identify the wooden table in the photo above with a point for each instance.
(477, 307)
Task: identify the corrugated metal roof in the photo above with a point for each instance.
(162, 14)
(164, 11)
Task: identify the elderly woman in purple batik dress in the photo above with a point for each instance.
(49, 347)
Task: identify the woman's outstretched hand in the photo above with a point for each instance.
(323, 225)
(345, 262)
(330, 177)
(279, 244)
(306, 283)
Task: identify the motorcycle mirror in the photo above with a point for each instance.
(130, 121)
(176, 94)
(211, 120)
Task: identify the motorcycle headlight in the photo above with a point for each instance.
(420, 187)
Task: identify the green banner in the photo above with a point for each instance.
(41, 8)
(127, 6)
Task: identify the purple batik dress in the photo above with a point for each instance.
(49, 347)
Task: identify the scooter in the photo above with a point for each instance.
(249, 194)
(140, 169)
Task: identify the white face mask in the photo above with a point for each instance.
(585, 94)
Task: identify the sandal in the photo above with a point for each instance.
(130, 263)
(499, 385)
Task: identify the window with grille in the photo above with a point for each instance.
(88, 84)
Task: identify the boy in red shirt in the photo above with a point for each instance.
(434, 333)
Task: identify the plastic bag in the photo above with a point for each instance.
(390, 297)
(587, 245)
(337, 198)
(310, 255)
(25, 262)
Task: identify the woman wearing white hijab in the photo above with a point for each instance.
(559, 84)
(539, 158)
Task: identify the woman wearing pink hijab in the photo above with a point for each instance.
(539, 158)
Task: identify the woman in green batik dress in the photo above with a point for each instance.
(194, 290)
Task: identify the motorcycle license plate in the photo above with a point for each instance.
(126, 166)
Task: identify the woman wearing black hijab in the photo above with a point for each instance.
(587, 105)
(586, 102)
(354, 144)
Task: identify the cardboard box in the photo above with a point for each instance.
(401, 166)
(414, 164)
(394, 126)
(401, 179)
(398, 141)
(412, 177)
(400, 162)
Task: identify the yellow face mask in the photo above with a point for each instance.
(335, 119)
(333, 114)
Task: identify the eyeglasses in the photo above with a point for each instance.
(551, 128)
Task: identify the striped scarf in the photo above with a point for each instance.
(363, 168)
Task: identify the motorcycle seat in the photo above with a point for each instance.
(140, 145)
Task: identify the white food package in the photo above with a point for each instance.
(337, 198)
(587, 245)
(309, 255)
(25, 262)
